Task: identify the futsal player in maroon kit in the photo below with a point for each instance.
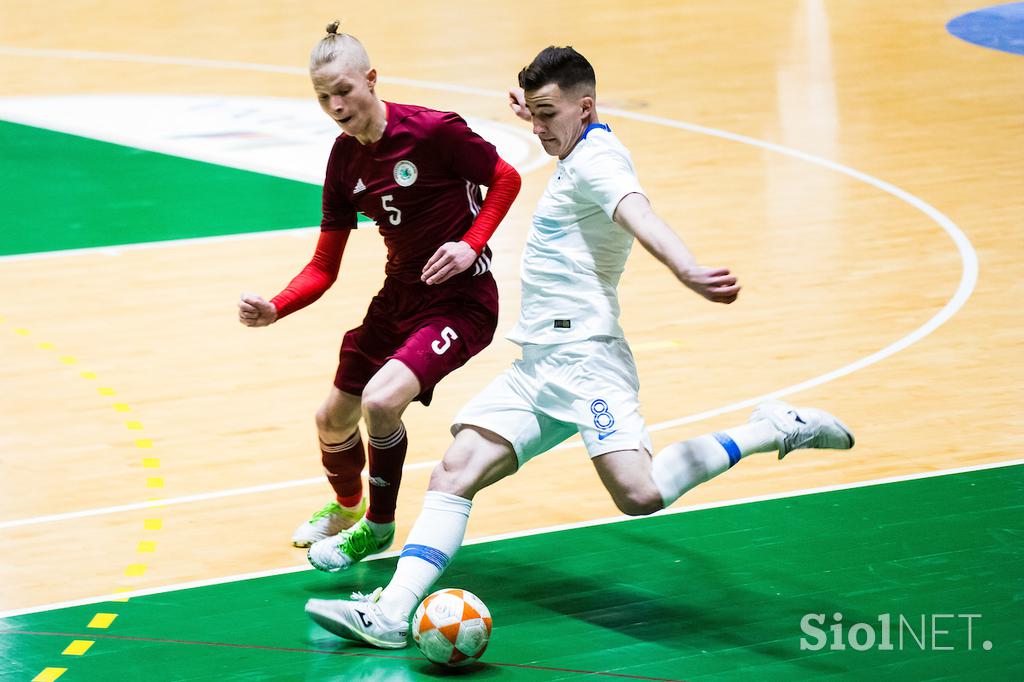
(417, 173)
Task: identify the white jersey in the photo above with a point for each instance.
(575, 253)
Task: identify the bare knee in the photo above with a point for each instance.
(626, 475)
(383, 408)
(451, 478)
(334, 422)
(475, 460)
(638, 502)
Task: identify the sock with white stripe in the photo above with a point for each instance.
(432, 542)
(684, 465)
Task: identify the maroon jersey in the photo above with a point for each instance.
(419, 183)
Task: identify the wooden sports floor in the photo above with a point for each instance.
(858, 166)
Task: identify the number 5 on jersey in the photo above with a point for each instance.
(447, 336)
(394, 215)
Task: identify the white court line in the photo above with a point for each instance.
(162, 244)
(509, 536)
(226, 65)
(968, 260)
(186, 499)
(968, 257)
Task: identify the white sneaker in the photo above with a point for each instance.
(359, 620)
(803, 427)
(348, 547)
(330, 520)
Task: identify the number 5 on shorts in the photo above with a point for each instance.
(447, 336)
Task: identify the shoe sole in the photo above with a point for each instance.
(323, 569)
(328, 623)
(780, 404)
(846, 430)
(308, 543)
(339, 569)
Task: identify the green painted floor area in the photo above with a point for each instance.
(712, 594)
(66, 192)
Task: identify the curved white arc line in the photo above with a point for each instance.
(227, 65)
(968, 256)
(968, 259)
(149, 59)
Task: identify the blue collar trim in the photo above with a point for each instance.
(602, 126)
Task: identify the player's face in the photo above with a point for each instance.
(346, 95)
(559, 118)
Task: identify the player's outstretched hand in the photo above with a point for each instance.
(449, 260)
(717, 285)
(517, 103)
(253, 311)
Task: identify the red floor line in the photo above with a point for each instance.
(359, 654)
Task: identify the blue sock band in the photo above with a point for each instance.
(730, 446)
(428, 554)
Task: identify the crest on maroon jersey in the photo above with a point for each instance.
(405, 173)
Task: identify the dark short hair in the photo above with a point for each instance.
(563, 66)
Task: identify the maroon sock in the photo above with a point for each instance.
(343, 464)
(387, 455)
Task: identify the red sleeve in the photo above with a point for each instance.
(318, 275)
(502, 191)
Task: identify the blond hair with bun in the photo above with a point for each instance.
(339, 46)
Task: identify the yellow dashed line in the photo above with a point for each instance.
(78, 647)
(119, 591)
(102, 620)
(135, 570)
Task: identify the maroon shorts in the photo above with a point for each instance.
(432, 330)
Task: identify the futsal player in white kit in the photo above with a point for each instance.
(577, 373)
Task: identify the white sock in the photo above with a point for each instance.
(380, 530)
(684, 465)
(432, 542)
(754, 437)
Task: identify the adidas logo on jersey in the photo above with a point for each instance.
(359, 186)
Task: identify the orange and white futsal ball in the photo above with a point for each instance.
(452, 627)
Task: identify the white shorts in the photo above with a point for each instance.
(555, 391)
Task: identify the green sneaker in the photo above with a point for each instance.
(348, 547)
(329, 521)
